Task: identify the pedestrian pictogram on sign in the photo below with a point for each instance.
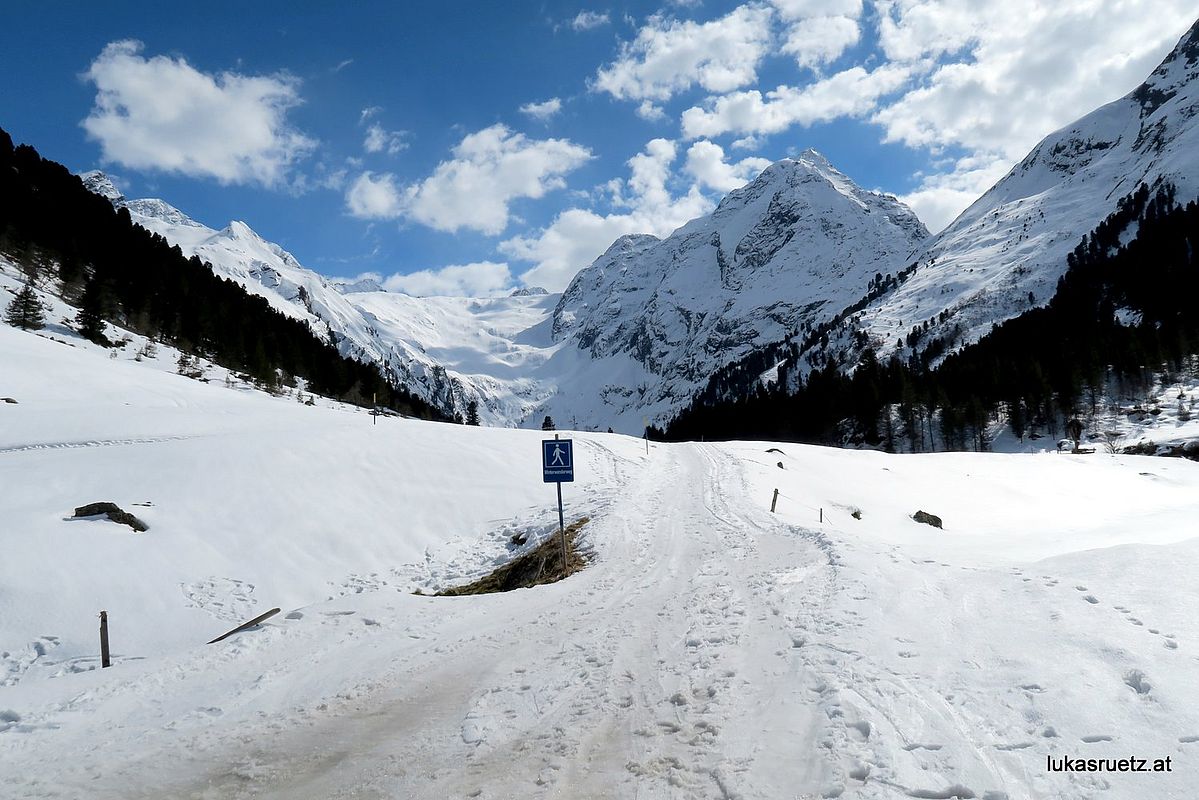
(557, 460)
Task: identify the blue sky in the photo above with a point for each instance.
(469, 147)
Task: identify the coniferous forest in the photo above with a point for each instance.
(1123, 314)
(119, 272)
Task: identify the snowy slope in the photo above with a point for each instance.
(712, 649)
(656, 317)
(1013, 240)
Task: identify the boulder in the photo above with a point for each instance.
(927, 519)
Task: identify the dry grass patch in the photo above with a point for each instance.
(541, 565)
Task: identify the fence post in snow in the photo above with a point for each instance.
(774, 501)
(104, 659)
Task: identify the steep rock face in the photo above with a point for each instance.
(1014, 240)
(652, 318)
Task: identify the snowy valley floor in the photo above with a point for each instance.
(712, 649)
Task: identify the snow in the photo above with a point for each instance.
(712, 648)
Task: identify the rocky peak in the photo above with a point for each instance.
(99, 183)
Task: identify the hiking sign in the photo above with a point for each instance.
(557, 460)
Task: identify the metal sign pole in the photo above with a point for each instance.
(561, 523)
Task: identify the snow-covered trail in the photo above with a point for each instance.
(665, 670)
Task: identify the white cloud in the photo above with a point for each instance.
(478, 279)
(489, 169)
(668, 56)
(576, 237)
(378, 140)
(819, 40)
(374, 197)
(650, 112)
(1016, 72)
(705, 162)
(1025, 68)
(587, 20)
(543, 110)
(941, 197)
(163, 114)
(851, 93)
(803, 9)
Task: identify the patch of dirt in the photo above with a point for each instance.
(541, 565)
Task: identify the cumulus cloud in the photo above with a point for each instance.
(641, 204)
(543, 110)
(478, 279)
(804, 9)
(588, 20)
(373, 196)
(1020, 71)
(380, 140)
(473, 190)
(851, 93)
(706, 163)
(819, 40)
(668, 56)
(1008, 76)
(650, 112)
(942, 196)
(161, 113)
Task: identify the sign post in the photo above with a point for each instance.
(558, 466)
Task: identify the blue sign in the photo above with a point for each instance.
(557, 460)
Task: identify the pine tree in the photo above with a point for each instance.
(90, 318)
(547, 424)
(472, 412)
(26, 311)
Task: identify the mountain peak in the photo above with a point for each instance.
(99, 183)
(240, 230)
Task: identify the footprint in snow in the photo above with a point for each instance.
(1096, 738)
(1092, 599)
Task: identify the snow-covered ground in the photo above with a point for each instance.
(712, 649)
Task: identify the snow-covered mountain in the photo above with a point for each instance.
(636, 333)
(654, 318)
(1005, 253)
(446, 350)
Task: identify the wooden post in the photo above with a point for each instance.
(561, 526)
(822, 515)
(105, 661)
(774, 500)
(375, 408)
